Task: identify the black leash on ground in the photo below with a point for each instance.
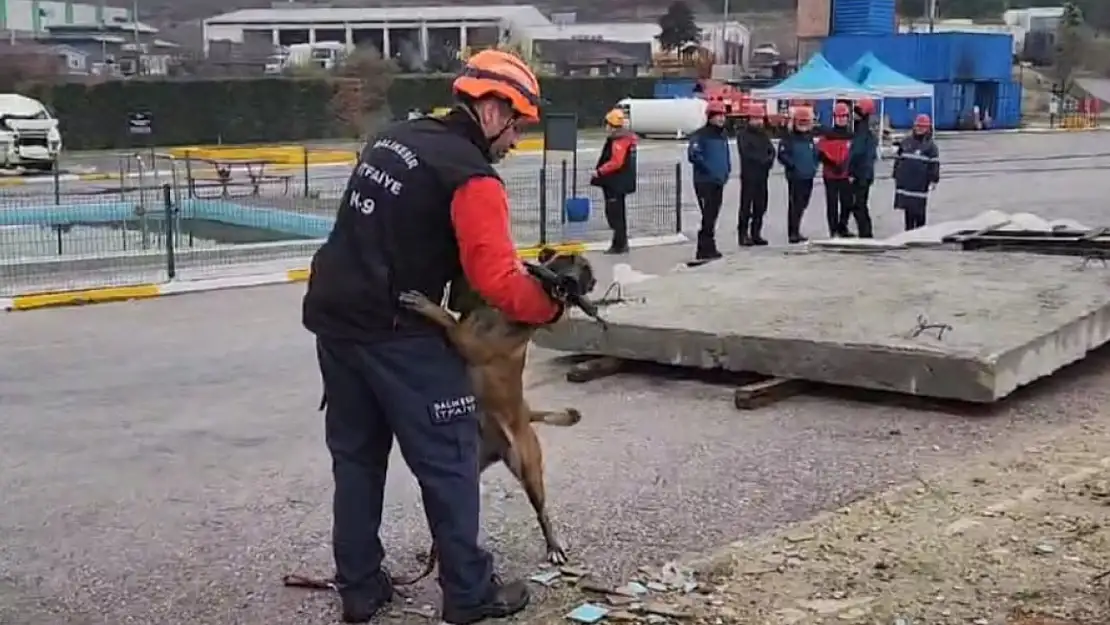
(328, 583)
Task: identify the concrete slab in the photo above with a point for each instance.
(850, 319)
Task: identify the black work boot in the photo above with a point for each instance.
(757, 232)
(361, 604)
(707, 248)
(505, 599)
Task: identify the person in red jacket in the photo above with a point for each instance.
(834, 149)
(424, 207)
(616, 176)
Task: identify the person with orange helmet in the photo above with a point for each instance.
(834, 148)
(423, 208)
(708, 154)
(798, 156)
(757, 156)
(916, 170)
(861, 168)
(615, 174)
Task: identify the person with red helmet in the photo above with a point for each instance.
(757, 156)
(834, 147)
(708, 154)
(423, 208)
(916, 170)
(861, 169)
(798, 156)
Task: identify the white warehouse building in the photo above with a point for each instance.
(730, 41)
(385, 29)
(390, 30)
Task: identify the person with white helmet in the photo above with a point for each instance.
(424, 207)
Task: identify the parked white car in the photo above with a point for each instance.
(29, 135)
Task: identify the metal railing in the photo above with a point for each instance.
(156, 223)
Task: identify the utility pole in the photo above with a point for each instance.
(724, 32)
(931, 7)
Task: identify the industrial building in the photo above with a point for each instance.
(454, 28)
(388, 30)
(35, 17)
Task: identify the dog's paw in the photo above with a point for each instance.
(413, 300)
(573, 416)
(557, 555)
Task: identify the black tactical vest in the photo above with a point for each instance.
(393, 230)
(622, 181)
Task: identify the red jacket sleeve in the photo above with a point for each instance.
(616, 158)
(480, 213)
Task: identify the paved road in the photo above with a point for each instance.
(162, 463)
(1055, 175)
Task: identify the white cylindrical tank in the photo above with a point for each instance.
(676, 117)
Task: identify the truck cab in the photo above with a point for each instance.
(29, 135)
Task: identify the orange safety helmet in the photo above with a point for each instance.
(865, 106)
(715, 107)
(495, 73)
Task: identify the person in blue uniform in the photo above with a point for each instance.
(423, 208)
(708, 153)
(861, 169)
(916, 171)
(757, 156)
(798, 156)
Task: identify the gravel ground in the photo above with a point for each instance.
(1016, 537)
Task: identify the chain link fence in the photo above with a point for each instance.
(182, 221)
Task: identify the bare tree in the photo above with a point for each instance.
(362, 87)
(1071, 46)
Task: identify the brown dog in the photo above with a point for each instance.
(495, 349)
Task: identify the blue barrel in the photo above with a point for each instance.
(577, 209)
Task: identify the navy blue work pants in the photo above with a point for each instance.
(417, 389)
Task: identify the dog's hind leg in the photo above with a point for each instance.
(525, 460)
(562, 418)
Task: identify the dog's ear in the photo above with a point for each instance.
(546, 255)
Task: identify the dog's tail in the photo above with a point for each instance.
(564, 418)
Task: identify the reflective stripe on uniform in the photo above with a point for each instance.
(914, 156)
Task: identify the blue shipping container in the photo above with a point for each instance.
(863, 17)
(667, 89)
(1008, 113)
(939, 57)
(1002, 100)
(952, 103)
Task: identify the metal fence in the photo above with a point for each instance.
(144, 225)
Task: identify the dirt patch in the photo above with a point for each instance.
(1020, 539)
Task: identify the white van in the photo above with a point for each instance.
(29, 135)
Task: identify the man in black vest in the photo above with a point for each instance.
(616, 175)
(423, 207)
